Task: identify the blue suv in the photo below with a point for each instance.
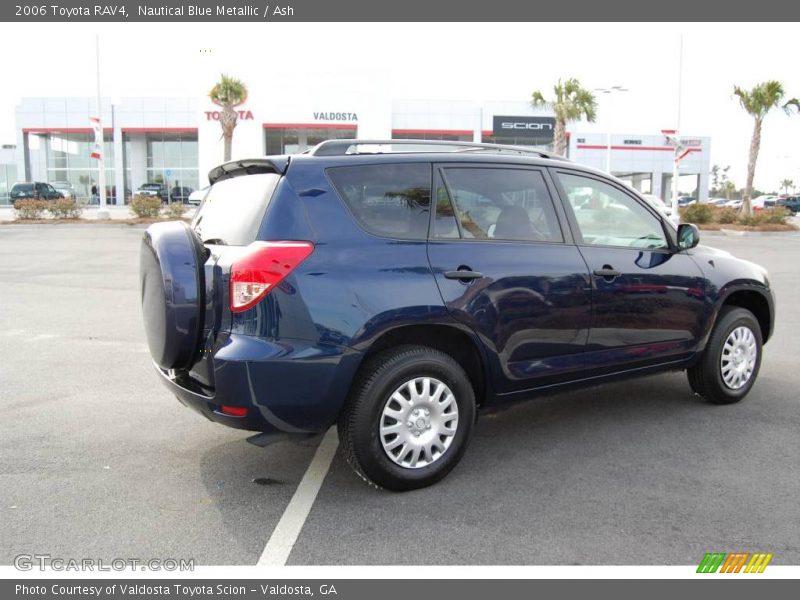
(396, 288)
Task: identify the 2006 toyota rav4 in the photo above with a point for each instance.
(395, 288)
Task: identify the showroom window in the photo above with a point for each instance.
(544, 142)
(445, 136)
(293, 140)
(64, 159)
(172, 160)
(8, 177)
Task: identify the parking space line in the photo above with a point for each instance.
(286, 532)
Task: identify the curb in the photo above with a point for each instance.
(739, 233)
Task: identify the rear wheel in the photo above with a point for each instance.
(730, 363)
(408, 419)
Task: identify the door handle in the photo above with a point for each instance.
(607, 272)
(463, 274)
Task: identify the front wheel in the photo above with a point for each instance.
(408, 419)
(729, 365)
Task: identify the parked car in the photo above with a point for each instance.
(658, 203)
(153, 189)
(65, 189)
(684, 201)
(351, 288)
(180, 193)
(790, 203)
(736, 204)
(716, 201)
(762, 202)
(33, 189)
(196, 197)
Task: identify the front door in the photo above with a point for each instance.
(505, 265)
(648, 299)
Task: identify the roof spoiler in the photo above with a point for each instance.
(344, 147)
(248, 166)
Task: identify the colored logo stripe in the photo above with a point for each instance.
(711, 562)
(733, 563)
(758, 563)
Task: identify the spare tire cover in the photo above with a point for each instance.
(171, 271)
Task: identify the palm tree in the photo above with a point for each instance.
(228, 93)
(758, 102)
(571, 103)
(786, 184)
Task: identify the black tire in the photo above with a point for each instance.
(362, 416)
(705, 378)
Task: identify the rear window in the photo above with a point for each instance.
(391, 200)
(233, 209)
(22, 187)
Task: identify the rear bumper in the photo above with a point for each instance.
(287, 386)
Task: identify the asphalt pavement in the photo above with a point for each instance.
(98, 460)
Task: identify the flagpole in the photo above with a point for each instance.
(102, 211)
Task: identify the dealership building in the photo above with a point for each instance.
(176, 141)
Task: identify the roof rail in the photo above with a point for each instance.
(352, 146)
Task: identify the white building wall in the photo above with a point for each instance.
(650, 155)
(308, 100)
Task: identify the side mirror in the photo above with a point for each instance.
(688, 236)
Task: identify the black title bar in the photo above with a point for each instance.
(400, 10)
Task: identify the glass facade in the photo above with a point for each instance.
(66, 158)
(291, 140)
(172, 160)
(545, 142)
(407, 134)
(8, 177)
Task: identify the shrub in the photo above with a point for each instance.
(29, 208)
(756, 218)
(64, 208)
(146, 206)
(698, 213)
(725, 215)
(775, 216)
(174, 210)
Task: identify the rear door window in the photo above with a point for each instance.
(389, 200)
(233, 209)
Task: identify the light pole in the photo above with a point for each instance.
(609, 92)
(102, 210)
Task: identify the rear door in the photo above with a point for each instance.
(648, 299)
(505, 265)
(227, 221)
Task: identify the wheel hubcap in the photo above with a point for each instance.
(418, 422)
(738, 360)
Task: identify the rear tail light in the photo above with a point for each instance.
(261, 268)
